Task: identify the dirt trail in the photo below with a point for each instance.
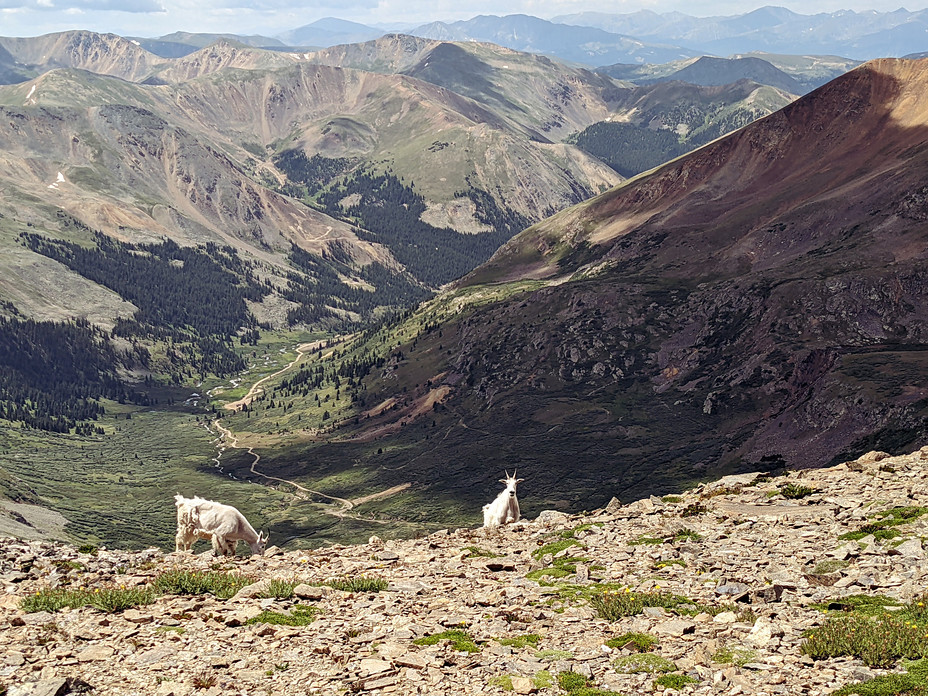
(344, 505)
(378, 496)
(256, 388)
(229, 438)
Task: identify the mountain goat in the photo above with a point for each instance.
(505, 508)
(223, 525)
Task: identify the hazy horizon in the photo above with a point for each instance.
(153, 18)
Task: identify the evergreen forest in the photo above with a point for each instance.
(387, 210)
(627, 148)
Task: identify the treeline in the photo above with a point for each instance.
(629, 149)
(389, 212)
(309, 175)
(507, 223)
(52, 373)
(190, 296)
(721, 126)
(177, 289)
(320, 290)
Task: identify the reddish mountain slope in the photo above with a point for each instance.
(812, 167)
(761, 301)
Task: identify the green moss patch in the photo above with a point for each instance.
(300, 615)
(643, 662)
(460, 640)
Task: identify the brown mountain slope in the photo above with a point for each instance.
(761, 301)
(106, 54)
(432, 136)
(218, 56)
(391, 53)
(126, 171)
(820, 163)
(547, 98)
(440, 141)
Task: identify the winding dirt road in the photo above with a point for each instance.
(339, 507)
(256, 388)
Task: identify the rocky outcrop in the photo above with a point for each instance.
(751, 559)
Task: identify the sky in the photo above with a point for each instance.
(152, 18)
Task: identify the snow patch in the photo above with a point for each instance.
(59, 180)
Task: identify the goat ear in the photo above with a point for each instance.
(519, 480)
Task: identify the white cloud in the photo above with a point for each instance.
(71, 6)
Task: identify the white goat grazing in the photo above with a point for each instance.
(224, 525)
(187, 533)
(505, 508)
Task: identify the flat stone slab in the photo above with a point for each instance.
(742, 510)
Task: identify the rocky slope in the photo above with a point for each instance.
(750, 563)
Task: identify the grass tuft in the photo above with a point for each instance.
(795, 491)
(360, 583)
(647, 541)
(734, 656)
(460, 640)
(553, 655)
(829, 566)
(881, 527)
(612, 605)
(222, 585)
(571, 681)
(865, 629)
(520, 641)
(279, 588)
(859, 603)
(643, 662)
(693, 510)
(503, 681)
(543, 679)
(687, 535)
(299, 615)
(674, 681)
(554, 547)
(639, 642)
(108, 599)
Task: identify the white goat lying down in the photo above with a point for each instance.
(223, 525)
(505, 508)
